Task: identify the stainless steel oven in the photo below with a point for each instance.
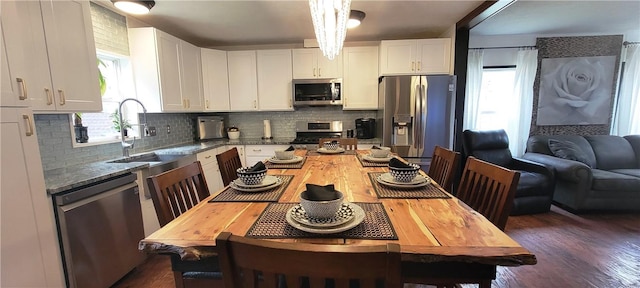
(311, 92)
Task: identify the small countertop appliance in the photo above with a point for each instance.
(365, 128)
(210, 127)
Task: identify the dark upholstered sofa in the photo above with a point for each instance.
(599, 172)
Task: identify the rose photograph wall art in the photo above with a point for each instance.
(575, 91)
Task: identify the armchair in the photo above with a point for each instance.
(535, 188)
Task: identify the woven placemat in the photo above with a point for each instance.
(272, 224)
(272, 195)
(316, 153)
(296, 165)
(427, 191)
(366, 163)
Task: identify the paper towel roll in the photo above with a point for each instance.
(267, 129)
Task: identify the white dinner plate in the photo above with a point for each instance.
(295, 159)
(387, 179)
(359, 217)
(259, 189)
(325, 151)
(370, 158)
(344, 215)
(267, 181)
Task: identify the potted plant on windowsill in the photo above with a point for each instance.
(115, 119)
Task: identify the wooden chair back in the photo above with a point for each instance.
(346, 143)
(229, 162)
(444, 164)
(242, 259)
(488, 189)
(177, 190)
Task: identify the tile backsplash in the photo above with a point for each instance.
(55, 138)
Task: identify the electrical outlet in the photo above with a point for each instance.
(150, 131)
(168, 129)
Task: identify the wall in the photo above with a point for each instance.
(503, 57)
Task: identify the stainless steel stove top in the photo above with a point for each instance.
(310, 132)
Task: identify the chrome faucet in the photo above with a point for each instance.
(126, 146)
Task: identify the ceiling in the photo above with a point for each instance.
(234, 23)
(219, 23)
(564, 17)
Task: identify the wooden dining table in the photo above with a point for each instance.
(441, 239)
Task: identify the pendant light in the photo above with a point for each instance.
(134, 6)
(330, 24)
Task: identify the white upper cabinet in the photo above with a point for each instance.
(215, 80)
(309, 63)
(423, 56)
(166, 71)
(243, 84)
(360, 83)
(13, 89)
(274, 80)
(191, 77)
(57, 68)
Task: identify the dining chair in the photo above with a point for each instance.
(248, 262)
(444, 164)
(173, 193)
(229, 162)
(346, 143)
(489, 189)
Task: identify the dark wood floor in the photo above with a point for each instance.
(587, 250)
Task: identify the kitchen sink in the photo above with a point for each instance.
(158, 163)
(150, 157)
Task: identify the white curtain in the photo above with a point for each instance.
(518, 128)
(474, 82)
(627, 116)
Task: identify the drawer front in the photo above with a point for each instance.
(207, 157)
(264, 151)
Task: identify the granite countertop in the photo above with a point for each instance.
(63, 179)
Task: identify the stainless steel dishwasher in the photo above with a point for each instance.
(100, 226)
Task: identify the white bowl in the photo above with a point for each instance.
(321, 209)
(284, 155)
(383, 152)
(251, 178)
(233, 135)
(404, 174)
(330, 145)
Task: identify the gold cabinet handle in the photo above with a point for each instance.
(319, 72)
(419, 65)
(188, 103)
(207, 157)
(314, 72)
(206, 104)
(290, 103)
(49, 96)
(23, 96)
(255, 104)
(27, 119)
(413, 66)
(63, 99)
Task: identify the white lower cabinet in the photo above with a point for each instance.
(256, 153)
(211, 169)
(29, 249)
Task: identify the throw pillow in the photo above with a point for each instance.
(567, 150)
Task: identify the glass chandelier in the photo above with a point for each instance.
(330, 24)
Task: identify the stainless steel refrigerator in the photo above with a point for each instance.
(416, 114)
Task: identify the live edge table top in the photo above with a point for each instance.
(428, 230)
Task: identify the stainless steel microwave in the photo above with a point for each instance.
(309, 92)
